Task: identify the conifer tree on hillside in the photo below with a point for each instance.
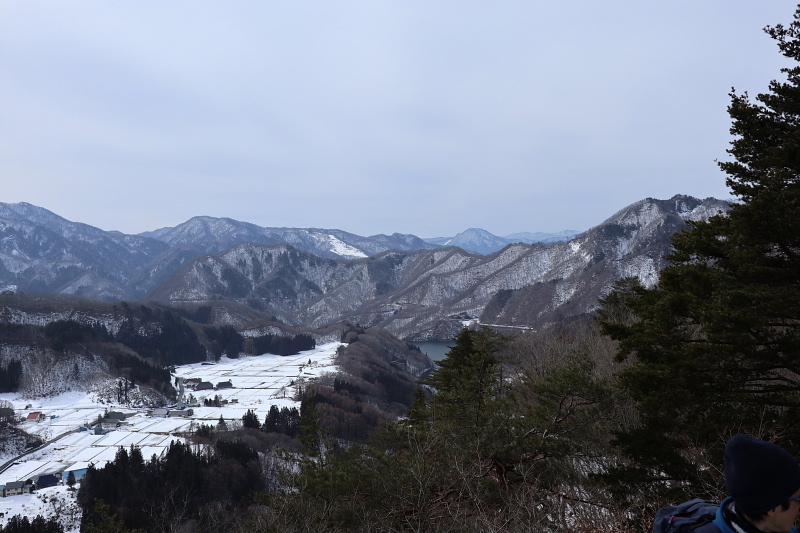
(467, 380)
(715, 346)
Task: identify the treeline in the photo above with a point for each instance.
(280, 344)
(346, 417)
(154, 333)
(285, 421)
(162, 336)
(60, 333)
(148, 340)
(165, 338)
(38, 524)
(140, 371)
(197, 491)
(226, 340)
(145, 367)
(73, 345)
(201, 315)
(10, 376)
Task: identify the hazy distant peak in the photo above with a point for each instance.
(539, 236)
(484, 242)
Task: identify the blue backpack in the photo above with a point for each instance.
(685, 517)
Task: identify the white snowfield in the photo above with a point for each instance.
(342, 248)
(258, 383)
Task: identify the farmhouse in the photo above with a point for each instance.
(48, 480)
(15, 488)
(184, 413)
(113, 420)
(192, 383)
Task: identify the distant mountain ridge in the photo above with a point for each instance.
(483, 242)
(430, 294)
(42, 251)
(313, 277)
(213, 235)
(532, 238)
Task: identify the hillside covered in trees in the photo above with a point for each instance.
(53, 344)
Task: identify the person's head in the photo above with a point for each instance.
(763, 479)
(779, 519)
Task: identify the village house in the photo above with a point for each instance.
(192, 383)
(112, 420)
(184, 413)
(15, 488)
(205, 385)
(224, 385)
(36, 416)
(48, 480)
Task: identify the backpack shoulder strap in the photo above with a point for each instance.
(709, 527)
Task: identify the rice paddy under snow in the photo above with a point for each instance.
(258, 383)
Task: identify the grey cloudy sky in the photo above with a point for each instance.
(425, 117)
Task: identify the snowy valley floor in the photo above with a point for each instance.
(258, 383)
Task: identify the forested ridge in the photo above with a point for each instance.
(138, 342)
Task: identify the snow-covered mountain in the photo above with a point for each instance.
(212, 235)
(427, 294)
(43, 252)
(313, 277)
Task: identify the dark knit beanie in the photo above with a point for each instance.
(760, 475)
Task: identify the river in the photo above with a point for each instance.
(435, 350)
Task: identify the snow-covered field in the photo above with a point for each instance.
(258, 383)
(50, 502)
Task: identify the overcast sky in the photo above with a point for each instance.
(425, 117)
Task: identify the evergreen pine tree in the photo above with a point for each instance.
(250, 420)
(467, 400)
(715, 346)
(311, 431)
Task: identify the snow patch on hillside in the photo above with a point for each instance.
(342, 248)
(704, 212)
